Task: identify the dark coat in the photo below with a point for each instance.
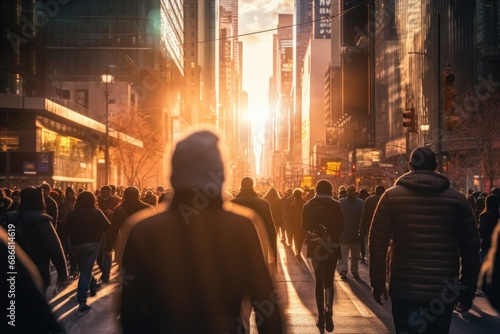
(122, 212)
(367, 214)
(108, 205)
(249, 198)
(433, 229)
(487, 223)
(352, 208)
(86, 225)
(52, 209)
(32, 313)
(328, 212)
(295, 215)
(187, 270)
(39, 239)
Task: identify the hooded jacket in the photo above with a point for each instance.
(188, 269)
(433, 232)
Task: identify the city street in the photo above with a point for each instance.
(355, 311)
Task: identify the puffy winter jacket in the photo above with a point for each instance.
(433, 232)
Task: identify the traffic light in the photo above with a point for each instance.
(353, 168)
(410, 120)
(449, 94)
(451, 119)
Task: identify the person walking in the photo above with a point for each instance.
(131, 204)
(107, 202)
(488, 220)
(434, 239)
(36, 234)
(249, 198)
(65, 207)
(323, 212)
(87, 226)
(50, 204)
(275, 203)
(211, 258)
(489, 278)
(369, 207)
(349, 239)
(295, 222)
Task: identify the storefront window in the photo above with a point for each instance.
(72, 157)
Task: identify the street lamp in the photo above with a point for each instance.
(425, 129)
(106, 78)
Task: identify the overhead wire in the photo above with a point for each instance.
(132, 34)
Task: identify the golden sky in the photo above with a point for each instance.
(254, 16)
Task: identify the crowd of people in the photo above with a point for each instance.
(419, 238)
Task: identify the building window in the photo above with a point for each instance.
(82, 97)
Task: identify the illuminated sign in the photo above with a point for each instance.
(332, 167)
(306, 181)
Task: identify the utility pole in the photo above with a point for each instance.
(440, 100)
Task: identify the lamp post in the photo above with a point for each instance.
(425, 129)
(106, 79)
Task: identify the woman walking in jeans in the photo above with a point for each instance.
(322, 212)
(86, 226)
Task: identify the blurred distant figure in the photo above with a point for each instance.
(150, 198)
(50, 204)
(5, 203)
(489, 279)
(107, 203)
(487, 222)
(274, 199)
(131, 204)
(37, 236)
(471, 199)
(434, 252)
(295, 222)
(65, 207)
(369, 207)
(30, 313)
(193, 265)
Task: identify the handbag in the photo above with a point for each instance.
(317, 237)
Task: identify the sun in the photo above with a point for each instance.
(257, 116)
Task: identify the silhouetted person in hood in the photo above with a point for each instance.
(188, 268)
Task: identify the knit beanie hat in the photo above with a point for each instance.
(423, 158)
(197, 163)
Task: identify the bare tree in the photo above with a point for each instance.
(480, 111)
(137, 164)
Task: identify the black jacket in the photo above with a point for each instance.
(434, 240)
(367, 214)
(327, 211)
(86, 225)
(39, 239)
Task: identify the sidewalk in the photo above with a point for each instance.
(295, 285)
